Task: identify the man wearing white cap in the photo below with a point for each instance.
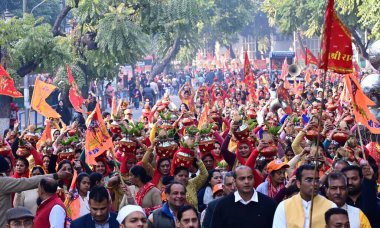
(132, 216)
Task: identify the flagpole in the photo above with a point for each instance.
(116, 166)
(317, 152)
(361, 142)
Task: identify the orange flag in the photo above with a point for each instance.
(46, 134)
(98, 140)
(308, 75)
(249, 78)
(42, 91)
(204, 116)
(336, 44)
(310, 58)
(7, 85)
(75, 95)
(360, 103)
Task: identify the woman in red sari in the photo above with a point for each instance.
(147, 195)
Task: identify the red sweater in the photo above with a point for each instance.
(43, 211)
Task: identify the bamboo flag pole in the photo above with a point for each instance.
(116, 166)
(317, 152)
(361, 142)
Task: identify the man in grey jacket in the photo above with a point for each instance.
(10, 185)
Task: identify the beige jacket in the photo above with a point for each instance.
(10, 185)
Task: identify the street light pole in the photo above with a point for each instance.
(26, 83)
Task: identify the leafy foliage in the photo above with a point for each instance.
(28, 42)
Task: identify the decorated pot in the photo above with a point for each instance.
(166, 125)
(331, 107)
(68, 153)
(183, 159)
(166, 148)
(242, 133)
(115, 128)
(340, 137)
(4, 149)
(206, 144)
(251, 113)
(31, 137)
(22, 151)
(126, 145)
(187, 122)
(269, 152)
(72, 132)
(312, 134)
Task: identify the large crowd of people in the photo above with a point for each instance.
(228, 156)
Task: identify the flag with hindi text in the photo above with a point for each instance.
(336, 44)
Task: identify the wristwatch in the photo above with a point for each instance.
(55, 176)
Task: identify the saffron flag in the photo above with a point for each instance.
(7, 85)
(249, 78)
(308, 74)
(361, 104)
(75, 96)
(204, 117)
(42, 91)
(98, 140)
(46, 134)
(336, 44)
(310, 58)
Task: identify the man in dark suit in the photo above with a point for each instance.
(246, 207)
(228, 187)
(99, 215)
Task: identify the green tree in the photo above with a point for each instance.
(307, 17)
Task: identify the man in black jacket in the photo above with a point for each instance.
(246, 207)
(99, 215)
(362, 191)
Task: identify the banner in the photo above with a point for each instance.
(75, 95)
(336, 44)
(260, 64)
(249, 78)
(310, 58)
(7, 85)
(360, 103)
(98, 139)
(42, 91)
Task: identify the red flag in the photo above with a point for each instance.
(310, 58)
(249, 78)
(98, 140)
(3, 72)
(336, 44)
(360, 103)
(75, 96)
(7, 85)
